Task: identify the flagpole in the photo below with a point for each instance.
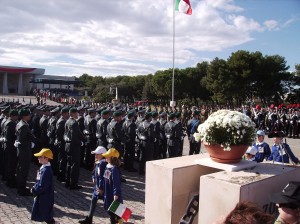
(172, 104)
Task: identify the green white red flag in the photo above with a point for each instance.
(183, 6)
(120, 210)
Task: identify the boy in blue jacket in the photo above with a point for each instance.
(43, 190)
(97, 177)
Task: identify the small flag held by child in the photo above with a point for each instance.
(120, 210)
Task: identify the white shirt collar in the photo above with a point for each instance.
(44, 165)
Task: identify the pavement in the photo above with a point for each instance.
(70, 206)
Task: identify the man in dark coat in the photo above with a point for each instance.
(162, 136)
(4, 116)
(173, 135)
(24, 143)
(146, 136)
(73, 138)
(10, 151)
(102, 128)
(129, 129)
(44, 126)
(60, 144)
(115, 136)
(90, 125)
(192, 126)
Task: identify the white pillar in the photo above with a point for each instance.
(20, 86)
(5, 87)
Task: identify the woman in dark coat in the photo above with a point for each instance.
(43, 190)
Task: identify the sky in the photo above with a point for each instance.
(135, 37)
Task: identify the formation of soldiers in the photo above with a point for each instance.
(140, 135)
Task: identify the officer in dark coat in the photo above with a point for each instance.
(24, 143)
(3, 117)
(51, 133)
(156, 132)
(162, 136)
(173, 135)
(90, 131)
(115, 135)
(146, 135)
(192, 127)
(129, 129)
(181, 130)
(73, 138)
(44, 126)
(36, 131)
(80, 121)
(102, 128)
(10, 151)
(60, 144)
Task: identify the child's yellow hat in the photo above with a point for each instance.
(112, 152)
(45, 152)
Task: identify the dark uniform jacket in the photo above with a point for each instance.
(60, 130)
(102, 132)
(73, 136)
(24, 136)
(44, 126)
(90, 131)
(173, 133)
(51, 131)
(115, 136)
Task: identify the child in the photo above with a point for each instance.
(111, 184)
(250, 153)
(43, 190)
(97, 177)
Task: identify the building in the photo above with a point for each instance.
(16, 80)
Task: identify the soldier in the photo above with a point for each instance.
(146, 136)
(10, 152)
(80, 121)
(156, 133)
(162, 137)
(129, 130)
(191, 129)
(60, 144)
(140, 118)
(36, 131)
(73, 138)
(24, 144)
(173, 135)
(51, 133)
(90, 124)
(3, 117)
(181, 129)
(102, 128)
(44, 126)
(115, 136)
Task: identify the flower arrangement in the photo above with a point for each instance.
(226, 128)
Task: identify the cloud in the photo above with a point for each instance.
(271, 25)
(114, 38)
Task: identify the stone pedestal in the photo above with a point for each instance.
(220, 192)
(170, 183)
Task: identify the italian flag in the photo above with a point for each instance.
(120, 210)
(183, 6)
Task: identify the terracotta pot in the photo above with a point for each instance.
(218, 154)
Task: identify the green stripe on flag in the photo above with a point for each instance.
(114, 206)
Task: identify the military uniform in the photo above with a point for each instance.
(80, 121)
(181, 130)
(156, 132)
(115, 136)
(102, 130)
(129, 130)
(146, 136)
(24, 140)
(44, 126)
(173, 135)
(162, 137)
(60, 144)
(73, 138)
(51, 133)
(10, 151)
(90, 124)
(191, 129)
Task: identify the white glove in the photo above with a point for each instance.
(16, 143)
(32, 145)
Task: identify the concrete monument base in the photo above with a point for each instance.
(170, 183)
